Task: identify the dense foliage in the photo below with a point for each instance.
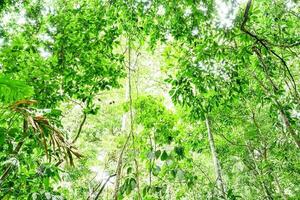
(150, 99)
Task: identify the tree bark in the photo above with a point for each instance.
(131, 131)
(216, 162)
(264, 43)
(279, 187)
(80, 128)
(282, 113)
(258, 174)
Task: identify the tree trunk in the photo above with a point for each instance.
(289, 128)
(217, 166)
(283, 115)
(279, 187)
(258, 174)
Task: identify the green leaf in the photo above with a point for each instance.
(13, 90)
(157, 153)
(164, 156)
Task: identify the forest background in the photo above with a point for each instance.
(149, 99)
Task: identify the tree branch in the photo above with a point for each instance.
(103, 186)
(265, 43)
(80, 128)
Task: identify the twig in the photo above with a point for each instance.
(265, 43)
(103, 186)
(119, 168)
(80, 127)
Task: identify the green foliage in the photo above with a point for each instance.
(13, 90)
(223, 125)
(153, 115)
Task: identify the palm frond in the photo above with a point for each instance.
(49, 136)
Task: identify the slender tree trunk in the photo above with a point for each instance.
(125, 115)
(131, 118)
(282, 112)
(280, 188)
(80, 128)
(265, 44)
(289, 128)
(131, 131)
(258, 174)
(120, 159)
(103, 186)
(119, 169)
(217, 166)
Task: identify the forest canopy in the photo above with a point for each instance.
(149, 99)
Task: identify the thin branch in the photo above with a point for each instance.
(258, 53)
(131, 114)
(119, 168)
(229, 141)
(282, 113)
(295, 44)
(103, 186)
(265, 43)
(80, 127)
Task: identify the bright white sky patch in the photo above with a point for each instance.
(44, 53)
(1, 42)
(6, 18)
(161, 10)
(52, 29)
(290, 4)
(169, 37)
(45, 37)
(295, 114)
(101, 156)
(19, 18)
(77, 6)
(216, 69)
(21, 21)
(202, 7)
(147, 3)
(48, 8)
(195, 31)
(188, 12)
(226, 12)
(102, 175)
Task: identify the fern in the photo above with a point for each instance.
(13, 90)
